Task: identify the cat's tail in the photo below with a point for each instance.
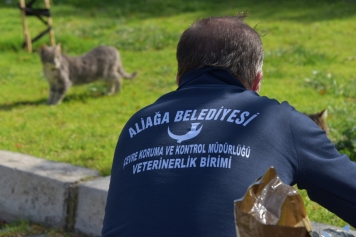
(126, 75)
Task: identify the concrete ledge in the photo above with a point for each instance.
(91, 206)
(37, 189)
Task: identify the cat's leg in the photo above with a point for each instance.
(51, 96)
(60, 92)
(59, 96)
(56, 95)
(114, 82)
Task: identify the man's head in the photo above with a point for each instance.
(222, 42)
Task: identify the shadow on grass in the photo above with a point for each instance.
(13, 105)
(83, 98)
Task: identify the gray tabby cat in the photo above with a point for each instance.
(320, 119)
(63, 71)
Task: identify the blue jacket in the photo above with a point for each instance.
(181, 162)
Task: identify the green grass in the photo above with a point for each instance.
(310, 61)
(25, 229)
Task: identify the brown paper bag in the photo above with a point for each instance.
(271, 208)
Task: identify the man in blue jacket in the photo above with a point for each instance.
(181, 162)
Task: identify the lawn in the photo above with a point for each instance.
(310, 61)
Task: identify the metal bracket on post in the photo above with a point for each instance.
(27, 10)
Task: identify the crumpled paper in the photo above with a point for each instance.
(271, 208)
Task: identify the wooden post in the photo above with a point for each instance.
(26, 33)
(49, 24)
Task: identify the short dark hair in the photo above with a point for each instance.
(222, 42)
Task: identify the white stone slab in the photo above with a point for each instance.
(37, 189)
(91, 206)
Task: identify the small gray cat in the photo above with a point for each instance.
(64, 71)
(320, 119)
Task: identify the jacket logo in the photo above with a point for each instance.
(189, 135)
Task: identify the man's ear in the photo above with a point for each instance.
(177, 79)
(256, 86)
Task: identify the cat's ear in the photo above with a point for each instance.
(58, 48)
(323, 114)
(42, 48)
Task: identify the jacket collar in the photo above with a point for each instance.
(208, 75)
